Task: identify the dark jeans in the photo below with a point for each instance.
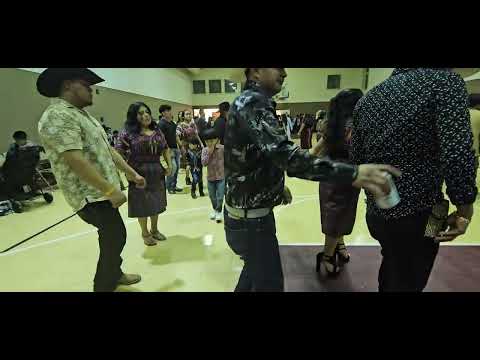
(255, 241)
(216, 191)
(112, 237)
(408, 256)
(196, 168)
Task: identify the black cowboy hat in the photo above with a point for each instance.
(50, 80)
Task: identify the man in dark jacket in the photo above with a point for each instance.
(257, 154)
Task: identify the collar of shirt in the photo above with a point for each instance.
(65, 103)
(398, 71)
(255, 86)
(166, 120)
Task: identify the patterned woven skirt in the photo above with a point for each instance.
(152, 200)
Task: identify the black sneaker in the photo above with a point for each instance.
(178, 190)
(194, 196)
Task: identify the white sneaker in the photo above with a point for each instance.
(213, 215)
(218, 217)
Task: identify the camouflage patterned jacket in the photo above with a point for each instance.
(258, 152)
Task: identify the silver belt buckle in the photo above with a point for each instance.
(244, 213)
(232, 216)
(232, 212)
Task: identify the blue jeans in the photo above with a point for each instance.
(171, 181)
(216, 191)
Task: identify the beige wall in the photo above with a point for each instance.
(473, 83)
(21, 106)
(377, 75)
(202, 100)
(173, 84)
(306, 85)
(113, 105)
(473, 86)
(303, 108)
(310, 84)
(295, 108)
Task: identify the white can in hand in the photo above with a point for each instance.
(390, 200)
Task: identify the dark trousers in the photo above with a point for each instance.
(196, 168)
(112, 237)
(408, 256)
(255, 241)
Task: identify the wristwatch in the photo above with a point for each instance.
(465, 220)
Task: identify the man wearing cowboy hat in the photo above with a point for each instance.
(85, 166)
(257, 154)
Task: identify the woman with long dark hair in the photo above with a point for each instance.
(306, 131)
(338, 203)
(146, 144)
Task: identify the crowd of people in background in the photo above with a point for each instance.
(302, 126)
(151, 152)
(185, 138)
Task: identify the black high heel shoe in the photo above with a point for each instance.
(330, 260)
(341, 257)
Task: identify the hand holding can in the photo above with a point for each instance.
(391, 199)
(378, 180)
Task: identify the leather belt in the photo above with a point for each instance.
(247, 213)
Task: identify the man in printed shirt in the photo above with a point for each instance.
(85, 166)
(418, 121)
(257, 154)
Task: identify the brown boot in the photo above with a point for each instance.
(129, 279)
